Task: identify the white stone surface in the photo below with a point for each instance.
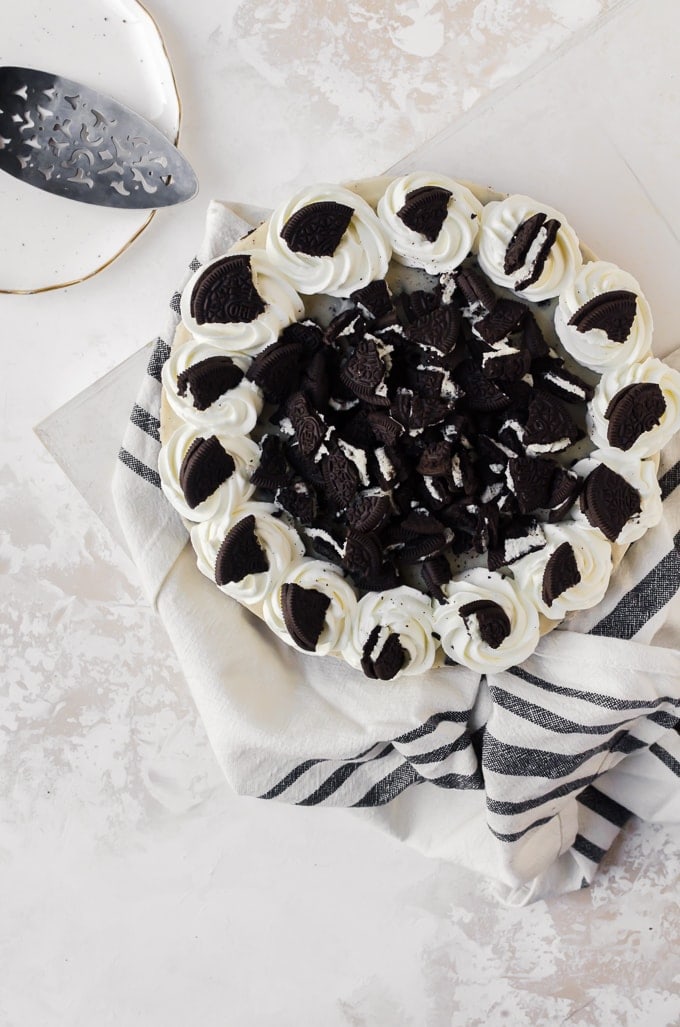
(134, 888)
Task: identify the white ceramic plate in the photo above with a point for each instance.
(113, 46)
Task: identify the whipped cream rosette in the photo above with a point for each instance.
(621, 496)
(431, 221)
(240, 302)
(327, 239)
(486, 623)
(571, 572)
(397, 349)
(528, 247)
(246, 552)
(312, 608)
(636, 408)
(602, 318)
(205, 474)
(392, 634)
(208, 388)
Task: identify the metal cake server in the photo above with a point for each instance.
(68, 139)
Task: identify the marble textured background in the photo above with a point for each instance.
(134, 888)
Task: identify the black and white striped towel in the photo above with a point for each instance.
(526, 776)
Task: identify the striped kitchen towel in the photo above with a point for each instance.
(526, 776)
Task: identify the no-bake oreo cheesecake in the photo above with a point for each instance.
(414, 423)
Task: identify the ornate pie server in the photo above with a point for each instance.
(68, 139)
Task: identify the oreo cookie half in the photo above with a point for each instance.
(561, 572)
(609, 501)
(491, 620)
(612, 312)
(304, 614)
(240, 553)
(383, 654)
(634, 410)
(424, 210)
(225, 293)
(317, 228)
(208, 380)
(206, 466)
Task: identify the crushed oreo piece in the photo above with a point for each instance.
(561, 572)
(548, 426)
(308, 425)
(533, 337)
(225, 293)
(503, 320)
(564, 384)
(383, 655)
(440, 329)
(365, 372)
(363, 555)
(491, 620)
(241, 553)
(206, 466)
(609, 501)
(374, 299)
(385, 428)
(299, 499)
(208, 380)
(273, 471)
(346, 328)
(425, 209)
(423, 547)
(412, 306)
(436, 572)
(317, 228)
(277, 369)
(340, 477)
(304, 614)
(530, 479)
(566, 486)
(518, 538)
(367, 513)
(309, 333)
(634, 410)
(315, 382)
(612, 312)
(475, 288)
(480, 393)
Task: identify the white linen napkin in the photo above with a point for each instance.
(525, 776)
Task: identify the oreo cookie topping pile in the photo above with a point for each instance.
(415, 430)
(418, 428)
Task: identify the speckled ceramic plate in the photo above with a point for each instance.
(115, 47)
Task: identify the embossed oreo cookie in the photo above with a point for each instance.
(205, 467)
(304, 614)
(277, 369)
(425, 210)
(611, 312)
(225, 293)
(240, 553)
(634, 410)
(609, 501)
(561, 572)
(209, 379)
(317, 228)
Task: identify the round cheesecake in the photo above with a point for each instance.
(413, 423)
